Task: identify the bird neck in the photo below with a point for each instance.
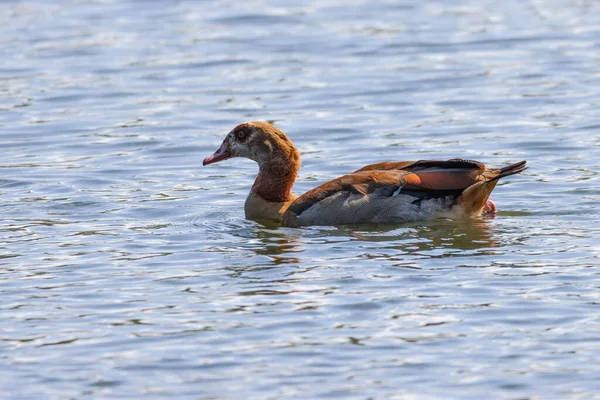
(271, 193)
(278, 168)
(275, 180)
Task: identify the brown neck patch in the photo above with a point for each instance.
(278, 173)
(274, 182)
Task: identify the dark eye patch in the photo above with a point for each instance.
(242, 133)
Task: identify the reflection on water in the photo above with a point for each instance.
(395, 241)
(128, 270)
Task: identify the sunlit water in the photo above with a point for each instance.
(128, 270)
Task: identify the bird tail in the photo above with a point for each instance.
(497, 173)
(472, 200)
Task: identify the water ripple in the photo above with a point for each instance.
(128, 270)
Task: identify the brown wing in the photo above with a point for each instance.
(454, 174)
(424, 179)
(387, 165)
(458, 163)
(357, 182)
(431, 182)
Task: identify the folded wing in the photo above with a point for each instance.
(399, 191)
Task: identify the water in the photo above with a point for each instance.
(129, 271)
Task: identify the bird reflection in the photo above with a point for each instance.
(283, 245)
(279, 244)
(471, 234)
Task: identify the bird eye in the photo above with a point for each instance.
(241, 135)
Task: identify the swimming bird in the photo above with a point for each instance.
(391, 191)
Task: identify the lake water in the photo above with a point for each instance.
(129, 271)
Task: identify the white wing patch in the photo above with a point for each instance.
(397, 191)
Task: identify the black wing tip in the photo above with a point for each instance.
(514, 166)
(511, 169)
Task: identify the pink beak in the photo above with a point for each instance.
(222, 153)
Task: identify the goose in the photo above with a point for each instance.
(385, 192)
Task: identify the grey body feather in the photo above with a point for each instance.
(349, 208)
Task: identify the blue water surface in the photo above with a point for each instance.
(128, 269)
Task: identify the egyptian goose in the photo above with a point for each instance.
(384, 192)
